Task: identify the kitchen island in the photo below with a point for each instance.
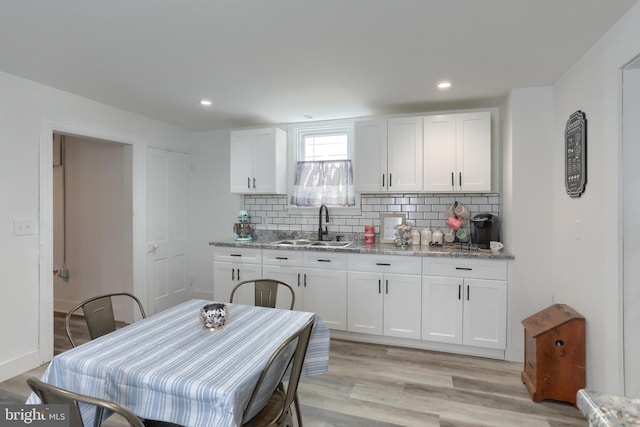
(608, 410)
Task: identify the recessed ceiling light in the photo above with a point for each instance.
(444, 85)
(308, 116)
(205, 102)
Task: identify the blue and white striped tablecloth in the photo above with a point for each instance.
(167, 368)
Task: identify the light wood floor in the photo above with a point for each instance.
(373, 386)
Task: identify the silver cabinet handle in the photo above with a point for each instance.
(382, 180)
(459, 292)
(390, 180)
(233, 274)
(305, 280)
(248, 183)
(460, 179)
(254, 182)
(467, 292)
(379, 286)
(387, 287)
(452, 184)
(298, 279)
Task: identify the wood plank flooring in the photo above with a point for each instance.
(371, 385)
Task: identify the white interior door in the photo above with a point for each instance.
(631, 226)
(167, 190)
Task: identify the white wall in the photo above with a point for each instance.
(213, 208)
(586, 270)
(527, 232)
(98, 223)
(28, 114)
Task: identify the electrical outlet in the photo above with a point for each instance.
(23, 226)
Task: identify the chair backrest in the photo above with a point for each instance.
(98, 313)
(290, 353)
(265, 292)
(55, 395)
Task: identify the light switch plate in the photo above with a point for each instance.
(23, 226)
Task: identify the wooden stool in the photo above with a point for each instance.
(554, 354)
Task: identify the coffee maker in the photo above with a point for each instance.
(484, 229)
(242, 228)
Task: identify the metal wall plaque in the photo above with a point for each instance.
(575, 140)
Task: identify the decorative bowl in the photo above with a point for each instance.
(213, 317)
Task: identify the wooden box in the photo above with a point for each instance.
(554, 364)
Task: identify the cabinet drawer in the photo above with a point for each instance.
(465, 268)
(326, 260)
(385, 264)
(248, 256)
(284, 258)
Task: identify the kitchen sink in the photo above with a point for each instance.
(329, 244)
(292, 242)
(310, 243)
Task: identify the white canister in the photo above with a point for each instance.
(425, 236)
(437, 237)
(415, 236)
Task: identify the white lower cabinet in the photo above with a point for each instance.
(232, 266)
(466, 303)
(319, 280)
(383, 295)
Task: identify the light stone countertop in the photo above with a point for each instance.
(608, 410)
(377, 248)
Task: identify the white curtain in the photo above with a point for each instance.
(328, 182)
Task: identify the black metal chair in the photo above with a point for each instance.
(265, 292)
(55, 395)
(277, 411)
(98, 313)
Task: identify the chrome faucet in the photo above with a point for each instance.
(320, 231)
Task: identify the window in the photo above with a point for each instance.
(323, 167)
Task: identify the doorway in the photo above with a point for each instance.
(631, 226)
(92, 220)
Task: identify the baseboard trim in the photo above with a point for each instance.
(17, 366)
(422, 345)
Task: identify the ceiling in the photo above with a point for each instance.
(275, 61)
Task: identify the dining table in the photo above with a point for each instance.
(168, 368)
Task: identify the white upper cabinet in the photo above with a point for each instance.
(457, 152)
(259, 161)
(388, 155)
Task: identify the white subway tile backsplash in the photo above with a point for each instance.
(422, 210)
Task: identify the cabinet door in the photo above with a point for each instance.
(485, 313)
(325, 293)
(370, 156)
(292, 276)
(226, 275)
(364, 302)
(404, 154)
(402, 305)
(264, 161)
(439, 153)
(241, 162)
(442, 309)
(473, 151)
